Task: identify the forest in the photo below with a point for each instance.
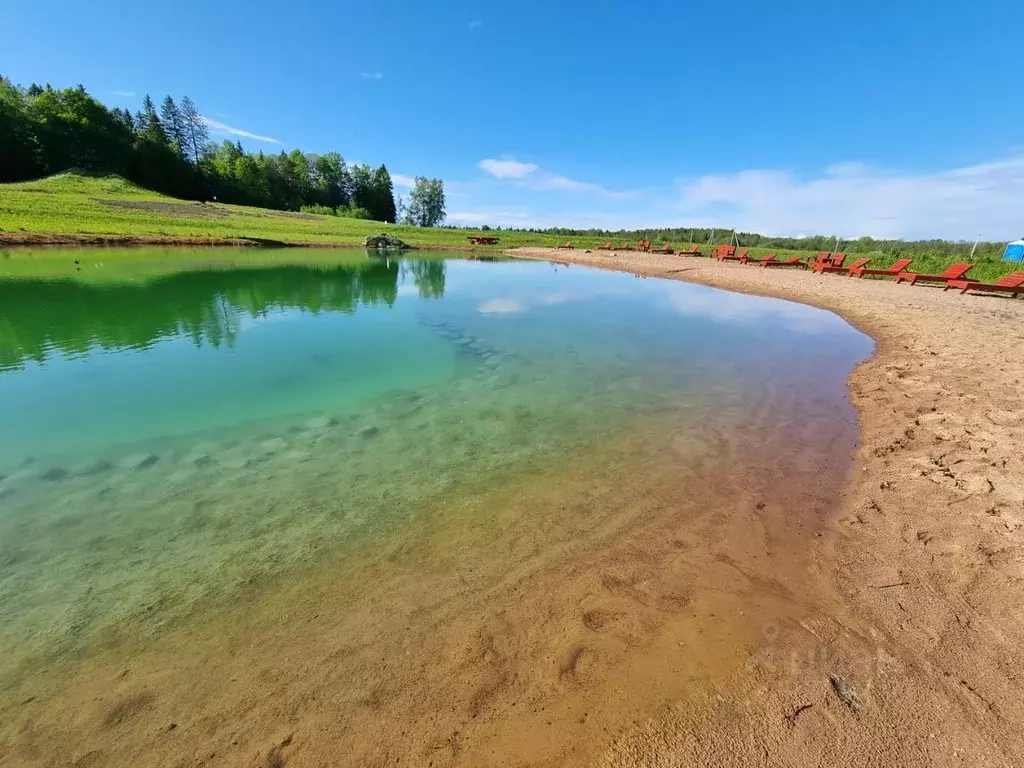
(44, 131)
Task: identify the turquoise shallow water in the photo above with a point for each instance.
(169, 440)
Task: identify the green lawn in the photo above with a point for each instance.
(75, 204)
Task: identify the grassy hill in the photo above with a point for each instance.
(70, 203)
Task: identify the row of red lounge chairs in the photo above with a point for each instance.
(954, 276)
(835, 263)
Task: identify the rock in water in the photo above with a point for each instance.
(139, 461)
(53, 474)
(197, 459)
(91, 468)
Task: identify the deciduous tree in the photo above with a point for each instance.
(196, 131)
(426, 203)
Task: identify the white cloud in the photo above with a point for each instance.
(217, 128)
(856, 200)
(373, 75)
(741, 309)
(126, 94)
(401, 180)
(507, 169)
(476, 24)
(532, 176)
(551, 181)
(549, 218)
(502, 307)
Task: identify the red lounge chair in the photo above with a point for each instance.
(731, 255)
(842, 269)
(606, 247)
(748, 260)
(898, 266)
(820, 260)
(954, 272)
(625, 247)
(567, 245)
(725, 252)
(1011, 284)
(666, 248)
(643, 245)
(834, 263)
(693, 250)
(792, 261)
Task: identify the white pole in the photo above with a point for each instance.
(975, 247)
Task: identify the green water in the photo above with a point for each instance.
(171, 436)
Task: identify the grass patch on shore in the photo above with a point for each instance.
(75, 204)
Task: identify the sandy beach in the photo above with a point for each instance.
(913, 653)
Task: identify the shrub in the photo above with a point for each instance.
(383, 242)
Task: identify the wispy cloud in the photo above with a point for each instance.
(502, 307)
(507, 217)
(534, 177)
(126, 94)
(509, 168)
(401, 180)
(372, 75)
(217, 128)
(476, 24)
(858, 200)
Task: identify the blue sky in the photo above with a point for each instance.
(898, 118)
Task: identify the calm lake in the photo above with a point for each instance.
(226, 474)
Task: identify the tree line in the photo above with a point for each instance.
(44, 131)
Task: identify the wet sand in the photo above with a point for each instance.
(913, 650)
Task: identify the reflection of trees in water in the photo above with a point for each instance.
(428, 275)
(38, 316)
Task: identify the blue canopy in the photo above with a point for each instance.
(1014, 251)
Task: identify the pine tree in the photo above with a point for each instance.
(149, 124)
(174, 126)
(195, 129)
(383, 196)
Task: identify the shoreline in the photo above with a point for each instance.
(913, 656)
(77, 240)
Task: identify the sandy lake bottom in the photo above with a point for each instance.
(394, 511)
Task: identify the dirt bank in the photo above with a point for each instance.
(78, 239)
(915, 651)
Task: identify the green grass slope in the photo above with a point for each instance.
(71, 203)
